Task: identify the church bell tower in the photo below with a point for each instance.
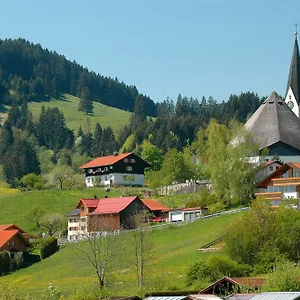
(292, 97)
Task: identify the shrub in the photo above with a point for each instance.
(48, 246)
(214, 268)
(284, 278)
(4, 262)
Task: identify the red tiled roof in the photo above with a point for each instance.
(10, 226)
(192, 208)
(113, 205)
(104, 161)
(154, 205)
(6, 235)
(89, 202)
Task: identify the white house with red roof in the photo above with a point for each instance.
(126, 169)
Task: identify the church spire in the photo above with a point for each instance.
(293, 86)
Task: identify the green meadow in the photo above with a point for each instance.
(105, 115)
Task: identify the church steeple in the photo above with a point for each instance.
(293, 86)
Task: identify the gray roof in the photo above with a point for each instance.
(74, 212)
(166, 298)
(274, 122)
(294, 74)
(277, 296)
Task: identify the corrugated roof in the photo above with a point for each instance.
(154, 205)
(294, 76)
(204, 297)
(277, 296)
(113, 205)
(274, 122)
(104, 161)
(166, 298)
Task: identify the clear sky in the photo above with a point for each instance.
(165, 47)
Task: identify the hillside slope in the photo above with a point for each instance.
(105, 115)
(174, 249)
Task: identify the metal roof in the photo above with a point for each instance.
(166, 298)
(277, 296)
(274, 122)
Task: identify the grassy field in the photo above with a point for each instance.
(105, 115)
(174, 249)
(14, 207)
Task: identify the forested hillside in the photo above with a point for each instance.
(37, 74)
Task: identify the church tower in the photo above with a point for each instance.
(292, 97)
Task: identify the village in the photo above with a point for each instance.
(174, 176)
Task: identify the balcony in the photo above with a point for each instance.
(286, 181)
(270, 195)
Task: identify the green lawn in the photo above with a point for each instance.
(105, 115)
(15, 207)
(174, 249)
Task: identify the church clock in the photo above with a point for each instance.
(290, 104)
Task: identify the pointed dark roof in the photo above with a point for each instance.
(294, 74)
(274, 122)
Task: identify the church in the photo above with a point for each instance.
(275, 125)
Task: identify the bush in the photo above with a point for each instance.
(47, 246)
(4, 262)
(284, 278)
(216, 267)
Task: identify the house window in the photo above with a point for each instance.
(272, 189)
(132, 160)
(290, 97)
(89, 171)
(105, 178)
(289, 189)
(8, 244)
(285, 175)
(126, 160)
(296, 173)
(12, 255)
(111, 167)
(271, 168)
(129, 168)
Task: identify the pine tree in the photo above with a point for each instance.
(97, 148)
(85, 104)
(6, 139)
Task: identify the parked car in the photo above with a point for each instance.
(158, 220)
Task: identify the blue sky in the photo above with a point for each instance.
(165, 47)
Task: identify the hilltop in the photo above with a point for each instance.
(34, 73)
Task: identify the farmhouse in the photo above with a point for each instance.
(280, 185)
(107, 214)
(121, 169)
(13, 239)
(230, 285)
